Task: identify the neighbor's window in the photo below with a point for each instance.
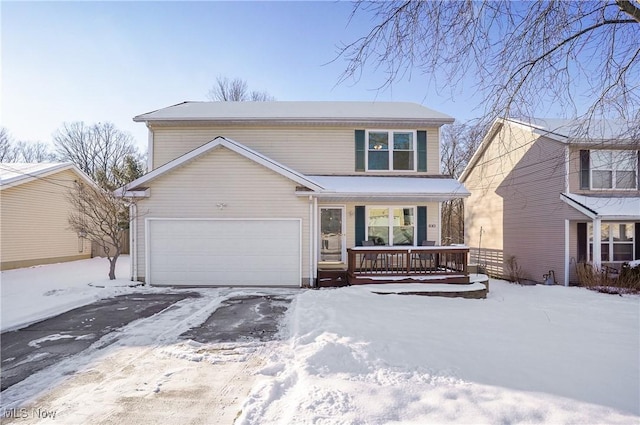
(391, 150)
(617, 241)
(614, 169)
(391, 225)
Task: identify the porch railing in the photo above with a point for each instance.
(407, 261)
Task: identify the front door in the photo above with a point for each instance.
(332, 235)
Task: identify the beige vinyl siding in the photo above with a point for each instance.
(516, 188)
(309, 150)
(221, 176)
(34, 223)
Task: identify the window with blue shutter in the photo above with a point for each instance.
(360, 150)
(422, 150)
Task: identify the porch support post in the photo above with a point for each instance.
(567, 259)
(597, 243)
(311, 242)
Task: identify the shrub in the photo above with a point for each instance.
(608, 280)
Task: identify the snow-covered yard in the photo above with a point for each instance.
(523, 355)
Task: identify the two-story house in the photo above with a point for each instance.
(268, 193)
(549, 194)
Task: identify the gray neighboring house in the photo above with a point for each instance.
(551, 194)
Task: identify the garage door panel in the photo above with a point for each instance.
(224, 252)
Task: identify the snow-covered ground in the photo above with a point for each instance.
(34, 293)
(534, 354)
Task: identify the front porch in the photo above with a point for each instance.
(408, 264)
(420, 264)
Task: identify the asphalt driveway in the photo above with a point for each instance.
(43, 344)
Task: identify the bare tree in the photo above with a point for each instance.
(523, 56)
(11, 151)
(8, 151)
(34, 152)
(236, 90)
(458, 143)
(101, 217)
(96, 149)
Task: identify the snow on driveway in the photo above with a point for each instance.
(524, 355)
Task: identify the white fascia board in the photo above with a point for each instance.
(134, 193)
(578, 206)
(43, 174)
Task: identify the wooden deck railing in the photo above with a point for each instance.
(409, 261)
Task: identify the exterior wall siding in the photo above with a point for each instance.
(516, 199)
(309, 150)
(34, 223)
(221, 176)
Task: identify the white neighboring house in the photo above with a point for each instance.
(34, 212)
(551, 195)
(272, 193)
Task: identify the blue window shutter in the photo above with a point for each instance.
(422, 150)
(637, 241)
(584, 170)
(360, 150)
(360, 225)
(422, 225)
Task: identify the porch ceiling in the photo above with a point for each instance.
(389, 189)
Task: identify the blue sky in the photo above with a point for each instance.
(110, 61)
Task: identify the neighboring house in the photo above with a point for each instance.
(268, 193)
(34, 212)
(549, 195)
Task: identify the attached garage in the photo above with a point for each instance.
(223, 252)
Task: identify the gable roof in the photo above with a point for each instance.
(298, 112)
(231, 145)
(560, 130)
(17, 173)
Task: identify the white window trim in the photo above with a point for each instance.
(613, 171)
(610, 242)
(390, 209)
(390, 151)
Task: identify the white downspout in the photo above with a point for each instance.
(566, 169)
(311, 239)
(133, 228)
(439, 224)
(597, 242)
(567, 259)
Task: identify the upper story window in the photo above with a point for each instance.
(391, 150)
(614, 169)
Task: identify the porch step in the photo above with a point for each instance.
(369, 279)
(332, 278)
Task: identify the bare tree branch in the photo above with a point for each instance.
(236, 90)
(522, 56)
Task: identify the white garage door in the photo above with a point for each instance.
(224, 252)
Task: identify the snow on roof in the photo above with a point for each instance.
(15, 172)
(583, 130)
(427, 188)
(609, 208)
(297, 111)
